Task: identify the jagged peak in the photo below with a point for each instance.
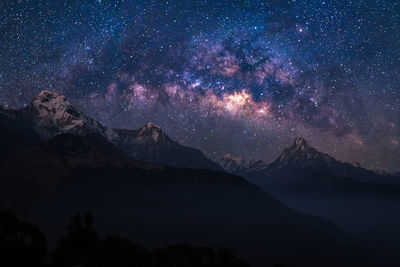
(55, 106)
(299, 146)
(299, 142)
(237, 165)
(53, 114)
(232, 157)
(49, 96)
(154, 131)
(47, 101)
(301, 153)
(149, 125)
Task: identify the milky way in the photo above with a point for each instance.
(241, 77)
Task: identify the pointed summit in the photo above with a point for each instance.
(153, 133)
(151, 125)
(301, 154)
(299, 142)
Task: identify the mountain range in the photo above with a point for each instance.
(50, 114)
(362, 201)
(55, 161)
(301, 157)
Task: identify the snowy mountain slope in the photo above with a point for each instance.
(51, 114)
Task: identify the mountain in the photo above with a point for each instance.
(232, 163)
(157, 205)
(303, 168)
(151, 144)
(56, 161)
(50, 114)
(301, 155)
(362, 201)
(302, 159)
(47, 163)
(239, 165)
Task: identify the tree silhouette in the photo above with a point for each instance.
(119, 252)
(81, 241)
(83, 247)
(21, 243)
(182, 255)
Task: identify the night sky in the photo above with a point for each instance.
(240, 77)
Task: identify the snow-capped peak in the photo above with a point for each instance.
(47, 102)
(54, 111)
(53, 114)
(239, 165)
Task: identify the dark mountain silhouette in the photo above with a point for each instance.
(82, 165)
(50, 114)
(301, 158)
(301, 155)
(15, 135)
(360, 200)
(159, 205)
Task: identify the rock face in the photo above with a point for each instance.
(51, 114)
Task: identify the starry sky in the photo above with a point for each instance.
(235, 76)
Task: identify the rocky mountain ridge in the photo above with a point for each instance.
(51, 114)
